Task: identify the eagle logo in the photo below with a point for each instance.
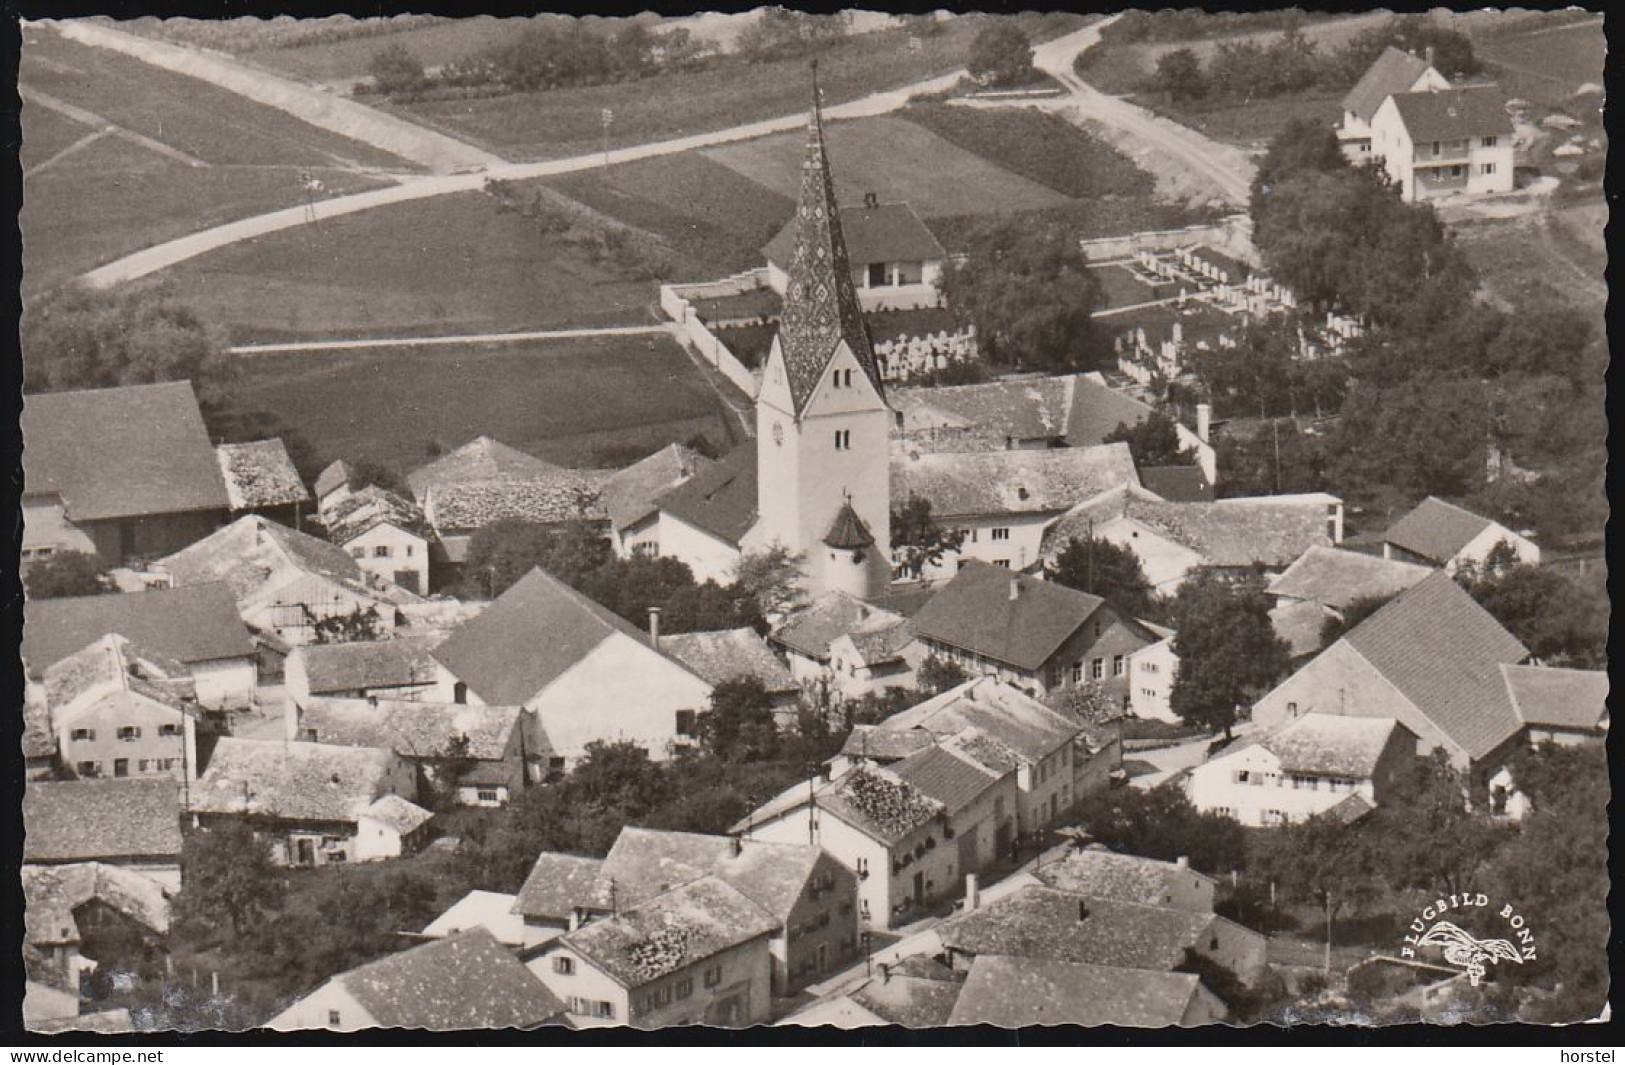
(1462, 948)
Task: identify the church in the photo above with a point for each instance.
(816, 480)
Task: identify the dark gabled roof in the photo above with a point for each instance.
(1099, 873)
(251, 552)
(1444, 653)
(721, 499)
(122, 452)
(558, 885)
(260, 474)
(52, 893)
(1097, 409)
(198, 623)
(646, 862)
(1558, 698)
(1454, 114)
(292, 781)
(344, 667)
(1436, 530)
(1019, 992)
(909, 999)
(410, 728)
(101, 820)
(834, 614)
(1393, 72)
(885, 233)
(1002, 711)
(465, 981)
(1177, 484)
(939, 774)
(334, 476)
(847, 532)
(629, 495)
(975, 612)
(529, 637)
(1334, 577)
(1331, 745)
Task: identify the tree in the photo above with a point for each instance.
(1394, 445)
(772, 581)
(936, 675)
(1561, 620)
(1029, 293)
(66, 573)
(80, 337)
(503, 552)
(1302, 145)
(446, 770)
(1153, 441)
(229, 871)
(396, 68)
(1001, 54)
(1335, 625)
(1279, 458)
(1430, 839)
(1161, 823)
(1108, 570)
(1179, 74)
(740, 725)
(1228, 651)
(361, 625)
(917, 541)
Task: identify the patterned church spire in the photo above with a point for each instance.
(821, 303)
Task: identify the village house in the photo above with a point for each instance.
(1442, 666)
(490, 910)
(582, 671)
(132, 824)
(875, 657)
(737, 654)
(895, 260)
(1018, 992)
(313, 803)
(561, 893)
(127, 474)
(80, 914)
(461, 982)
(1445, 142)
(1240, 535)
(119, 711)
(197, 626)
(1002, 502)
(334, 484)
(1323, 583)
(1312, 765)
(1393, 72)
(630, 496)
(853, 648)
(916, 992)
(1097, 873)
(402, 668)
(1040, 636)
(384, 533)
(1437, 533)
(697, 954)
(486, 744)
(283, 581)
(261, 479)
(1151, 672)
(1042, 923)
(704, 521)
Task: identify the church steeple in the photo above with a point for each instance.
(821, 303)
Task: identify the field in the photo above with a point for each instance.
(579, 402)
(180, 156)
(1548, 259)
(1250, 125)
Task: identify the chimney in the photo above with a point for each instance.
(654, 627)
(1083, 910)
(973, 893)
(1182, 862)
(1204, 420)
(1015, 589)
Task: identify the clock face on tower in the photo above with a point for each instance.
(778, 434)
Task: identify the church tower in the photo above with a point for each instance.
(822, 421)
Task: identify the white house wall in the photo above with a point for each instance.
(315, 1011)
(710, 558)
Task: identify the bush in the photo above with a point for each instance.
(396, 69)
(1001, 55)
(66, 573)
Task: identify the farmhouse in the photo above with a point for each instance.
(1312, 765)
(852, 646)
(385, 534)
(1324, 582)
(736, 654)
(1017, 992)
(73, 911)
(125, 473)
(118, 712)
(561, 893)
(132, 824)
(197, 626)
(1393, 72)
(402, 668)
(895, 260)
(1445, 142)
(630, 497)
(582, 671)
(704, 521)
(1095, 872)
(1437, 533)
(261, 479)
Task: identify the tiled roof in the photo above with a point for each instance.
(886, 744)
(1331, 745)
(530, 636)
(114, 664)
(821, 310)
(1026, 408)
(630, 495)
(292, 781)
(557, 885)
(1436, 530)
(883, 640)
(1019, 992)
(1253, 530)
(888, 233)
(834, 614)
(101, 820)
(721, 499)
(367, 508)
(52, 892)
(462, 982)
(939, 774)
(490, 910)
(1039, 922)
(1454, 114)
(260, 474)
(1300, 625)
(1098, 409)
(1001, 710)
(122, 452)
(975, 612)
(969, 483)
(716, 657)
(251, 553)
(1444, 652)
(1177, 484)
(1335, 578)
(198, 623)
(335, 476)
(1350, 809)
(672, 931)
(394, 812)
(342, 667)
(481, 461)
(847, 531)
(910, 1001)
(1558, 698)
(566, 495)
(1394, 71)
(1100, 873)
(878, 803)
(411, 729)
(646, 862)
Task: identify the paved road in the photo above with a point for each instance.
(446, 341)
(170, 253)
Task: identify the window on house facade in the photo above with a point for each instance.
(380, 551)
(686, 723)
(713, 976)
(166, 764)
(1097, 668)
(1488, 142)
(863, 868)
(843, 440)
(141, 766)
(169, 730)
(564, 965)
(877, 275)
(1455, 171)
(1486, 168)
(408, 550)
(1001, 534)
(1053, 675)
(1118, 665)
(685, 987)
(1002, 563)
(1077, 672)
(129, 733)
(488, 794)
(83, 734)
(358, 552)
(1241, 776)
(333, 1017)
(121, 767)
(88, 769)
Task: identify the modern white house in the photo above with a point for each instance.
(1445, 142)
(895, 259)
(1393, 72)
